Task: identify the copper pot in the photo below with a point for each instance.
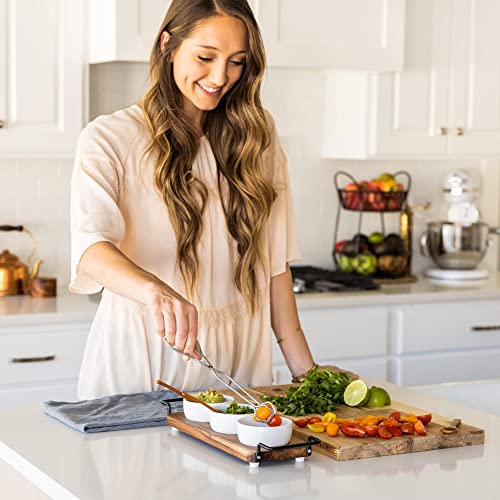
(15, 276)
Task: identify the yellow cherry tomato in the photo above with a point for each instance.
(332, 430)
(329, 418)
(318, 427)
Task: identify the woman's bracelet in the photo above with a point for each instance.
(298, 378)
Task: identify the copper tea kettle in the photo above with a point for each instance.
(15, 276)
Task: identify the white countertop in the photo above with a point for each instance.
(156, 464)
(423, 290)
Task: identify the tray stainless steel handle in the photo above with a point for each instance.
(35, 359)
(488, 328)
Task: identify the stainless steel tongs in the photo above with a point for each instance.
(227, 380)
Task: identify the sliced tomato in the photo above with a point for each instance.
(371, 430)
(314, 420)
(384, 432)
(329, 418)
(302, 422)
(407, 428)
(317, 427)
(343, 421)
(425, 419)
(395, 431)
(419, 428)
(275, 421)
(396, 415)
(352, 430)
(390, 422)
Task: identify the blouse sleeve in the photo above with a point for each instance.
(95, 212)
(283, 241)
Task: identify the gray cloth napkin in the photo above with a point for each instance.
(114, 413)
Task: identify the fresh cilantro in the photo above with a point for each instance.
(319, 392)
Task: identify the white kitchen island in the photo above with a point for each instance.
(156, 464)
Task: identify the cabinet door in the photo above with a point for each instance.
(475, 119)
(41, 81)
(359, 34)
(124, 30)
(411, 113)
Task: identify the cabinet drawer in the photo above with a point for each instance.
(441, 368)
(445, 326)
(36, 357)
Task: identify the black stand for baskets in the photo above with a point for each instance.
(361, 199)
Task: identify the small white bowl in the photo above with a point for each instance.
(225, 423)
(197, 412)
(252, 433)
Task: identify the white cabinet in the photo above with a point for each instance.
(41, 76)
(124, 30)
(40, 361)
(446, 342)
(359, 34)
(324, 34)
(444, 104)
(352, 338)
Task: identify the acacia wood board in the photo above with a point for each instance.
(229, 443)
(348, 448)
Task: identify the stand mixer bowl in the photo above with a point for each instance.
(455, 246)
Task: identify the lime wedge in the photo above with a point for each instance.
(378, 397)
(356, 393)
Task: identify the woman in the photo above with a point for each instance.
(181, 210)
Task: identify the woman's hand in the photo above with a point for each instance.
(175, 318)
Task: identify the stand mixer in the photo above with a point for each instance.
(459, 243)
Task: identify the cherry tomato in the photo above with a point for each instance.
(407, 428)
(390, 422)
(262, 413)
(396, 415)
(275, 421)
(410, 418)
(419, 428)
(425, 419)
(352, 430)
(329, 418)
(302, 422)
(384, 432)
(395, 431)
(368, 420)
(371, 430)
(332, 429)
(358, 420)
(314, 420)
(317, 427)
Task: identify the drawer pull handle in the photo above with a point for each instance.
(38, 359)
(485, 328)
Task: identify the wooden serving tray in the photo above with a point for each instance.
(229, 443)
(348, 448)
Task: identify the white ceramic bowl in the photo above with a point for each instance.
(197, 412)
(252, 433)
(224, 423)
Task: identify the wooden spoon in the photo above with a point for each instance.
(453, 427)
(187, 396)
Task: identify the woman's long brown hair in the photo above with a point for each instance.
(238, 134)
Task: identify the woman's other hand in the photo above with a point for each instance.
(175, 318)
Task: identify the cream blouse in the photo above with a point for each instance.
(113, 198)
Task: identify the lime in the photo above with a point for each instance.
(378, 397)
(355, 393)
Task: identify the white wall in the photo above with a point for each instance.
(35, 192)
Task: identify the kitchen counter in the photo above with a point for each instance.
(72, 307)
(156, 464)
(421, 291)
(23, 309)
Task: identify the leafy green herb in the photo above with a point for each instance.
(236, 409)
(319, 392)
